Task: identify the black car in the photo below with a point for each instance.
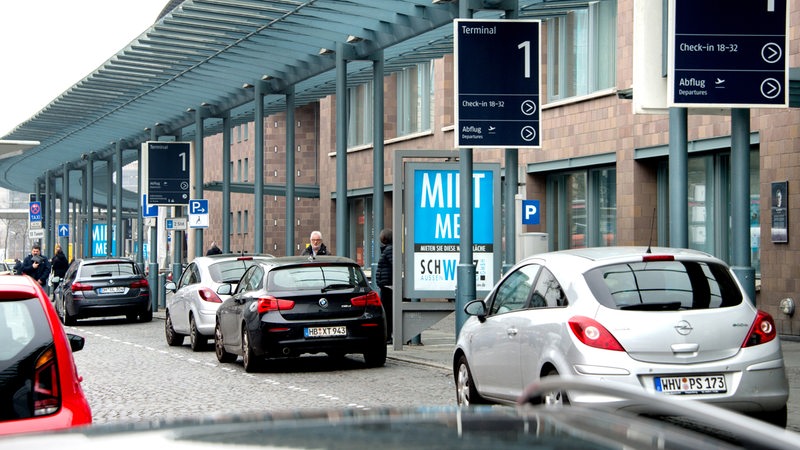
(103, 287)
(294, 305)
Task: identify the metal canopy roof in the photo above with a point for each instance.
(201, 55)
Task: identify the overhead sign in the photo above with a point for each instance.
(166, 177)
(35, 211)
(63, 230)
(198, 213)
(730, 55)
(497, 83)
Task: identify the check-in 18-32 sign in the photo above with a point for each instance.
(167, 178)
(497, 82)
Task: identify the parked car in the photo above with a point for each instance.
(103, 287)
(39, 384)
(442, 427)
(192, 306)
(669, 321)
(293, 305)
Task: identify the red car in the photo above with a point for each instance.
(40, 388)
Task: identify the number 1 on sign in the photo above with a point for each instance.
(526, 45)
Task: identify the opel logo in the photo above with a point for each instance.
(683, 328)
(323, 302)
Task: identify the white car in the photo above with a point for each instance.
(670, 321)
(193, 303)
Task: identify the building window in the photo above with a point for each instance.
(359, 111)
(230, 222)
(246, 224)
(245, 131)
(581, 51)
(414, 99)
(246, 170)
(239, 170)
(238, 222)
(584, 208)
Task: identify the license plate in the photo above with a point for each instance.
(318, 332)
(704, 384)
(112, 290)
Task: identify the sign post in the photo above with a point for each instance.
(497, 83)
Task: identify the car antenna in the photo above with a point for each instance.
(652, 224)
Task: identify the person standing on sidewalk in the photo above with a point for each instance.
(37, 266)
(383, 278)
(316, 247)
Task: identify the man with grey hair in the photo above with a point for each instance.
(316, 247)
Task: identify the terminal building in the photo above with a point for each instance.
(601, 174)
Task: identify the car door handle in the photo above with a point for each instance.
(512, 332)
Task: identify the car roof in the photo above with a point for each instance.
(105, 259)
(210, 259)
(581, 259)
(305, 259)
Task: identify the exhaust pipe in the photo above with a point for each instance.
(286, 351)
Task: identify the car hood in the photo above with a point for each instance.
(679, 337)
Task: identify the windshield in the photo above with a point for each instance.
(317, 278)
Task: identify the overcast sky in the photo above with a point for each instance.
(46, 46)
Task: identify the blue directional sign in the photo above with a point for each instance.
(168, 176)
(498, 83)
(530, 212)
(63, 230)
(35, 211)
(730, 54)
(148, 210)
(198, 206)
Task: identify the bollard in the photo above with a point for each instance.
(162, 290)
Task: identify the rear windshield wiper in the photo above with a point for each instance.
(335, 286)
(101, 274)
(666, 306)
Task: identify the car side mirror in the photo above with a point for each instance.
(225, 289)
(75, 342)
(476, 308)
(171, 286)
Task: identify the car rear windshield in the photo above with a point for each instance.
(664, 286)
(307, 278)
(108, 269)
(229, 271)
(24, 336)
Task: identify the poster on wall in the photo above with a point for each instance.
(780, 214)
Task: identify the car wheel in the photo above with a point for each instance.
(174, 338)
(778, 418)
(146, 316)
(252, 363)
(219, 348)
(554, 397)
(66, 319)
(376, 357)
(197, 340)
(466, 393)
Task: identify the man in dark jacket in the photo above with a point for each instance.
(36, 265)
(383, 277)
(316, 247)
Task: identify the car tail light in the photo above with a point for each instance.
(651, 258)
(207, 295)
(46, 395)
(371, 299)
(270, 303)
(81, 287)
(762, 331)
(140, 284)
(591, 333)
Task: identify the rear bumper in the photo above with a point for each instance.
(102, 308)
(274, 342)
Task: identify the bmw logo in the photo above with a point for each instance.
(323, 302)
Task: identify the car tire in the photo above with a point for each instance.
(197, 340)
(252, 362)
(146, 316)
(174, 339)
(554, 397)
(64, 315)
(466, 392)
(219, 348)
(376, 357)
(779, 418)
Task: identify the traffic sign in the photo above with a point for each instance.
(731, 55)
(530, 212)
(36, 234)
(175, 223)
(198, 213)
(63, 230)
(35, 211)
(167, 178)
(497, 83)
(148, 210)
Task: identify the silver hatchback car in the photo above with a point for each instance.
(669, 321)
(192, 306)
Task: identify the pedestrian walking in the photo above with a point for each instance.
(36, 265)
(383, 278)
